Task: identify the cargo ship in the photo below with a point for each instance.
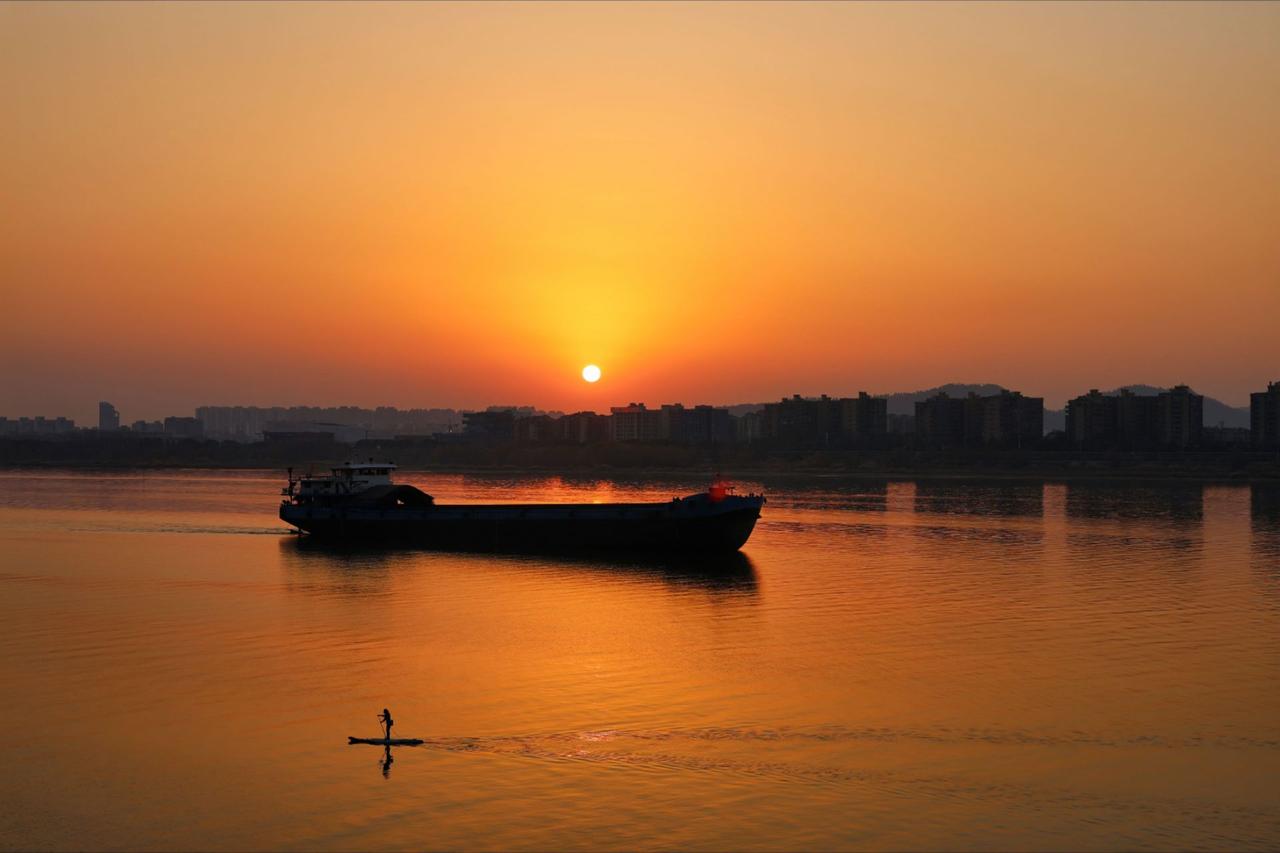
(358, 501)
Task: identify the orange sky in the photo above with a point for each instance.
(460, 205)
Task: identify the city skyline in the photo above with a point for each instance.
(453, 205)
(89, 413)
(985, 417)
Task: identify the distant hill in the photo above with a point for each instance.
(904, 402)
(1217, 412)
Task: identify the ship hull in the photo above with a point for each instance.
(679, 526)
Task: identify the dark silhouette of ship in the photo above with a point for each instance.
(359, 502)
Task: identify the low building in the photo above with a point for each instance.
(537, 429)
(494, 425)
(175, 427)
(1226, 438)
(38, 425)
(902, 425)
(339, 432)
(298, 438)
(584, 428)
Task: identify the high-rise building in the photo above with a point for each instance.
(1135, 421)
(584, 428)
(750, 427)
(864, 416)
(1264, 417)
(673, 423)
(1172, 419)
(940, 420)
(801, 422)
(1005, 420)
(1010, 420)
(1179, 418)
(634, 422)
(108, 417)
(1091, 420)
(708, 425)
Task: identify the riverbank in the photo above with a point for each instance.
(655, 460)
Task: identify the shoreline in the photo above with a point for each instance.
(1135, 474)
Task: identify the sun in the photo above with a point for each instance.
(591, 373)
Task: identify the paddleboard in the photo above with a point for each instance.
(381, 741)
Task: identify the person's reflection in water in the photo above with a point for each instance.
(386, 762)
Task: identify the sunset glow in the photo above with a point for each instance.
(932, 500)
(722, 202)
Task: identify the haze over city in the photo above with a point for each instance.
(459, 205)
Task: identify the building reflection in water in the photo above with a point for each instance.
(1264, 514)
(1131, 501)
(1161, 518)
(997, 499)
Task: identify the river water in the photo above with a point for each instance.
(929, 665)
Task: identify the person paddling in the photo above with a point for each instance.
(385, 719)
